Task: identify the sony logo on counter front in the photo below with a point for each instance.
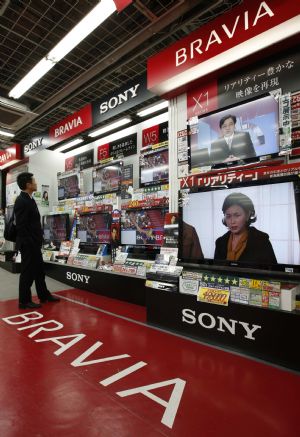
(115, 101)
(33, 145)
(208, 321)
(78, 277)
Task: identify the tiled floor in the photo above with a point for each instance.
(91, 367)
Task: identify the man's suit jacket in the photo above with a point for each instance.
(191, 248)
(241, 147)
(28, 221)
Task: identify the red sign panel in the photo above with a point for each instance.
(71, 125)
(186, 60)
(10, 154)
(233, 177)
(103, 152)
(150, 135)
(202, 100)
(122, 4)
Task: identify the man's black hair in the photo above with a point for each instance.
(223, 119)
(23, 179)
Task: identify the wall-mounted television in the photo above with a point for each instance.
(142, 227)
(93, 229)
(242, 132)
(255, 225)
(154, 168)
(68, 187)
(107, 179)
(56, 228)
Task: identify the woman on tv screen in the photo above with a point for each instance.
(243, 242)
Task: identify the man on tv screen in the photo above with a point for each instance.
(232, 145)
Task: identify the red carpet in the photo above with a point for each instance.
(194, 390)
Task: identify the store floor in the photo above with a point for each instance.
(89, 366)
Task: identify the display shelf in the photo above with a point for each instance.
(10, 266)
(261, 333)
(243, 271)
(128, 288)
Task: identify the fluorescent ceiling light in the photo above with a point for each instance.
(154, 108)
(87, 25)
(6, 134)
(69, 144)
(109, 127)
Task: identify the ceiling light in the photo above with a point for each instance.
(87, 25)
(152, 109)
(69, 144)
(6, 134)
(109, 127)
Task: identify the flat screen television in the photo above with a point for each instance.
(56, 228)
(143, 227)
(255, 225)
(93, 229)
(68, 187)
(154, 168)
(238, 133)
(107, 179)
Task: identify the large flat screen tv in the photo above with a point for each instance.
(107, 179)
(255, 226)
(93, 229)
(144, 227)
(68, 187)
(240, 133)
(56, 228)
(154, 168)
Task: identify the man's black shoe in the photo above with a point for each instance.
(30, 305)
(50, 298)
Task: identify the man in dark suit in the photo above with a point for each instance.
(232, 145)
(29, 242)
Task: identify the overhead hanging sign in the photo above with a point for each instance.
(36, 144)
(10, 156)
(71, 125)
(246, 29)
(121, 148)
(130, 95)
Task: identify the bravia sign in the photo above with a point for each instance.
(10, 155)
(249, 27)
(121, 100)
(71, 125)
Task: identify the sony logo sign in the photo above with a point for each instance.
(78, 277)
(115, 101)
(33, 145)
(208, 321)
(219, 35)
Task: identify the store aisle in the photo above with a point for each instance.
(74, 368)
(9, 285)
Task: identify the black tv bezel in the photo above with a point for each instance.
(163, 208)
(100, 167)
(161, 181)
(67, 226)
(290, 271)
(93, 245)
(240, 162)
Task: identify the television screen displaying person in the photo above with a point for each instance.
(232, 145)
(191, 248)
(243, 242)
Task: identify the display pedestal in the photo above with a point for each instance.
(124, 287)
(10, 266)
(262, 333)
